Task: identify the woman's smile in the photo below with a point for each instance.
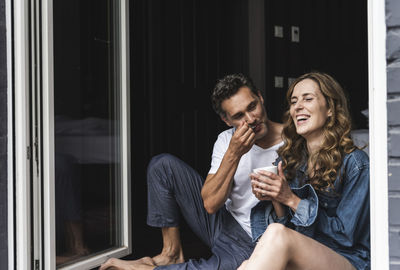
(309, 110)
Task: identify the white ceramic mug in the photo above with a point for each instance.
(272, 168)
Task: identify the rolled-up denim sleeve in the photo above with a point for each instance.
(307, 210)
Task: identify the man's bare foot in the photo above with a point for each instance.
(163, 259)
(145, 263)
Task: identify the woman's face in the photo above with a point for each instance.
(309, 110)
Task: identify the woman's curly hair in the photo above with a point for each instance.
(337, 141)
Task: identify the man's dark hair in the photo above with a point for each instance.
(227, 87)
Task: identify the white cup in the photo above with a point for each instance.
(273, 169)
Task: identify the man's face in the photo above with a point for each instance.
(247, 107)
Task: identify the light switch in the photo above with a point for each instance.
(295, 34)
(278, 31)
(290, 81)
(278, 82)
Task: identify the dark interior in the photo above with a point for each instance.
(180, 48)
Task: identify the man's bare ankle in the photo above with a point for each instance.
(168, 258)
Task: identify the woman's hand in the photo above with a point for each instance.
(271, 186)
(257, 191)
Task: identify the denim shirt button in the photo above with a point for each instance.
(325, 204)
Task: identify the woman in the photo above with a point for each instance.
(319, 215)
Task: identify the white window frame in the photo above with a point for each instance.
(48, 141)
(22, 258)
(378, 135)
(21, 140)
(10, 139)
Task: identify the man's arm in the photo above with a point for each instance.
(218, 186)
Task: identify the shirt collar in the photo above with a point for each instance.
(303, 167)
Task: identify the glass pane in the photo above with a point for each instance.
(87, 153)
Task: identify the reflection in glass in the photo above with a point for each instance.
(87, 154)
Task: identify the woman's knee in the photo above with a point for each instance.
(276, 229)
(277, 235)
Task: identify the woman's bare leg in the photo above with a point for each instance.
(281, 248)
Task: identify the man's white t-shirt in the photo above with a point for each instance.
(241, 199)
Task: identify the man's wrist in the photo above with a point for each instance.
(232, 156)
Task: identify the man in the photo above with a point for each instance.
(174, 187)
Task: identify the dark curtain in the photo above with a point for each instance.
(179, 49)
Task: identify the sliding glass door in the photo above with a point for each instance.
(79, 200)
(87, 125)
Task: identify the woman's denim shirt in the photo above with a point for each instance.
(338, 219)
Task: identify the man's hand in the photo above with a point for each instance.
(242, 140)
(218, 186)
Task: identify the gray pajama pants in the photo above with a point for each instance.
(174, 188)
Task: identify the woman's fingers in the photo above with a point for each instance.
(272, 191)
(263, 194)
(280, 170)
(268, 184)
(266, 180)
(259, 192)
(266, 174)
(257, 187)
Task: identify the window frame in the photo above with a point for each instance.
(19, 163)
(377, 93)
(18, 132)
(122, 65)
(10, 137)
